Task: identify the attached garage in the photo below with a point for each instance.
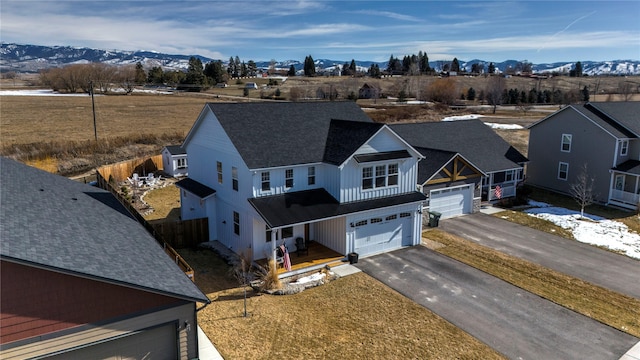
(383, 233)
(452, 201)
(156, 343)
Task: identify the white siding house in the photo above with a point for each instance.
(267, 173)
(174, 161)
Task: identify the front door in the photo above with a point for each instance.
(619, 183)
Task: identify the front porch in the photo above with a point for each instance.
(501, 184)
(625, 188)
(317, 257)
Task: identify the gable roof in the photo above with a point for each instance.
(271, 134)
(619, 119)
(176, 150)
(50, 222)
(345, 137)
(472, 139)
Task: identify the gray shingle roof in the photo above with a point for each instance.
(474, 140)
(623, 115)
(176, 150)
(55, 223)
(434, 161)
(284, 133)
(317, 204)
(200, 190)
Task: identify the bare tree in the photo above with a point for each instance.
(494, 90)
(241, 271)
(626, 90)
(582, 189)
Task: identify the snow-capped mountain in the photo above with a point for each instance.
(32, 58)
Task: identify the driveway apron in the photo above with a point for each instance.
(512, 321)
(583, 261)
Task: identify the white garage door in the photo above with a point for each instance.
(451, 201)
(378, 234)
(155, 343)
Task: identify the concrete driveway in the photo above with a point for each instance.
(600, 267)
(514, 322)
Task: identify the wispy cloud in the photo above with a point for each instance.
(389, 14)
(566, 28)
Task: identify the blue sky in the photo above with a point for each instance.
(536, 31)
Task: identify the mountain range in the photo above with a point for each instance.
(33, 58)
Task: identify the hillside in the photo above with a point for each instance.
(32, 58)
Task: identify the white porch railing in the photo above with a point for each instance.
(625, 197)
(507, 190)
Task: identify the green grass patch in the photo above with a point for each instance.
(608, 307)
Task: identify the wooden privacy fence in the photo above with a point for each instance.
(122, 170)
(104, 184)
(184, 233)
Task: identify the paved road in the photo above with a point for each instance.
(600, 267)
(514, 322)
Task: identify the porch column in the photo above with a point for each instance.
(274, 233)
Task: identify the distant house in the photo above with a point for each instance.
(267, 173)
(605, 136)
(466, 162)
(174, 160)
(82, 279)
(368, 91)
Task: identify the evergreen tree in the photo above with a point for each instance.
(195, 79)
(309, 66)
(471, 94)
(252, 68)
(140, 77)
(455, 65)
(213, 70)
(345, 70)
(374, 71)
(292, 71)
(578, 69)
(231, 68)
(492, 68)
(353, 68)
(156, 75)
(423, 61)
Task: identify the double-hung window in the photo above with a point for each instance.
(236, 223)
(563, 171)
(288, 178)
(624, 147)
(234, 178)
(182, 163)
(266, 181)
(311, 175)
(566, 143)
(219, 169)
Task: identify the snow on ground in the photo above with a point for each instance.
(462, 117)
(504, 126)
(592, 229)
(491, 125)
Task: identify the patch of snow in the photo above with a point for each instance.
(462, 117)
(504, 126)
(41, 92)
(591, 229)
(310, 278)
(538, 204)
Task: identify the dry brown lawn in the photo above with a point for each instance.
(353, 317)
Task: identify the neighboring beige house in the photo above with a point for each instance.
(603, 135)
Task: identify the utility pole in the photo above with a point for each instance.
(93, 107)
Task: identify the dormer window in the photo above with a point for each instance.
(624, 147)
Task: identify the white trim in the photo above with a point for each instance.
(560, 163)
(567, 136)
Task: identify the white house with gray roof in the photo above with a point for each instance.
(174, 161)
(267, 173)
(603, 135)
(82, 279)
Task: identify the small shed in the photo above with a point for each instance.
(174, 159)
